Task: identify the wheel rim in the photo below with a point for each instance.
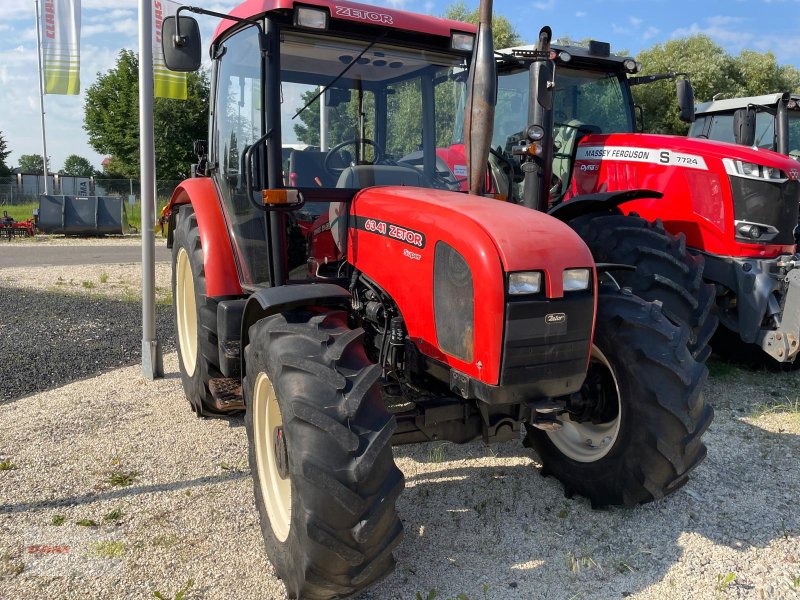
(186, 310)
(586, 441)
(276, 489)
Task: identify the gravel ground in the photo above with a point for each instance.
(87, 320)
(480, 523)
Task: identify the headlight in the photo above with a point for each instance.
(753, 170)
(526, 282)
(462, 41)
(312, 18)
(576, 279)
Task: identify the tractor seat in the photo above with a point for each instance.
(363, 176)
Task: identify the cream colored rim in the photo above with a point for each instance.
(186, 310)
(589, 442)
(276, 492)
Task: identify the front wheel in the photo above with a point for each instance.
(665, 271)
(633, 433)
(324, 476)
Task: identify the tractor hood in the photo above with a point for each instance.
(523, 239)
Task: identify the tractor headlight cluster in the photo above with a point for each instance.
(524, 282)
(752, 170)
(462, 41)
(576, 279)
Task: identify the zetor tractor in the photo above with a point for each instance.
(349, 301)
(735, 208)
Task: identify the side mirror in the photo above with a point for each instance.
(685, 100)
(744, 126)
(181, 52)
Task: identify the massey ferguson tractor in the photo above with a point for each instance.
(348, 299)
(731, 207)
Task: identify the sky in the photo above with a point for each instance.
(111, 25)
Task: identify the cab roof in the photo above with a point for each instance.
(731, 104)
(353, 12)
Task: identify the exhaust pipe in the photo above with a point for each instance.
(481, 98)
(539, 171)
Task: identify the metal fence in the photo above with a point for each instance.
(26, 189)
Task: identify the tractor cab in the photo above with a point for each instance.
(348, 103)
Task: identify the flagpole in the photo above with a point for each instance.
(152, 362)
(41, 94)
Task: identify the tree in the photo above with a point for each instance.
(78, 166)
(31, 163)
(759, 73)
(712, 71)
(112, 121)
(503, 31)
(5, 170)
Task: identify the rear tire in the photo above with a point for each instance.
(194, 315)
(325, 480)
(649, 437)
(665, 271)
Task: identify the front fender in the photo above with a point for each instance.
(605, 202)
(222, 277)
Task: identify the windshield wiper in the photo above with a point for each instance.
(340, 75)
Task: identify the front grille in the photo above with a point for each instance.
(538, 348)
(767, 203)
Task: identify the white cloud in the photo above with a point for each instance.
(580, 14)
(546, 5)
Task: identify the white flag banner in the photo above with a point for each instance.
(166, 83)
(61, 54)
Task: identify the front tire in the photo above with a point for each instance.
(643, 435)
(195, 315)
(325, 480)
(665, 271)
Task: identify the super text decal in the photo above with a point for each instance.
(664, 157)
(390, 230)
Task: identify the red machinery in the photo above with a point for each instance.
(10, 228)
(352, 300)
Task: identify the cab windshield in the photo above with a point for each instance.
(379, 123)
(582, 98)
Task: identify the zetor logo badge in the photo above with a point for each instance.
(554, 318)
(363, 15)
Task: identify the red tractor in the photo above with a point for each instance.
(348, 299)
(733, 208)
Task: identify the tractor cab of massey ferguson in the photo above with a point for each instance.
(331, 279)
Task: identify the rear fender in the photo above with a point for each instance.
(272, 301)
(222, 277)
(603, 202)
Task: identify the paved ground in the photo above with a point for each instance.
(39, 255)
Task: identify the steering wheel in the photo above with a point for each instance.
(336, 171)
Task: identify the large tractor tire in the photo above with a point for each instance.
(195, 315)
(320, 452)
(665, 271)
(635, 433)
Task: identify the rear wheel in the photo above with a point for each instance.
(634, 431)
(194, 315)
(325, 481)
(665, 271)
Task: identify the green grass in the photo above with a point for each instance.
(20, 212)
(121, 478)
(58, 520)
(719, 368)
(114, 516)
(134, 212)
(791, 407)
(7, 465)
(181, 595)
(86, 523)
